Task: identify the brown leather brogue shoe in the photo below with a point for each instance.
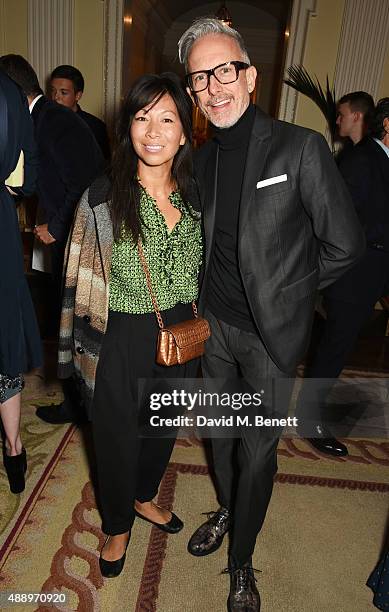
(209, 536)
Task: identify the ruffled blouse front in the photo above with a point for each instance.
(173, 258)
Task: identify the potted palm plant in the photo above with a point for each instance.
(301, 81)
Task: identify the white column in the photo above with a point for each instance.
(2, 29)
(364, 41)
(112, 60)
(302, 11)
(50, 35)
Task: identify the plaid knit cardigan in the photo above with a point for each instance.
(86, 294)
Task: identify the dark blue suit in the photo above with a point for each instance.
(349, 302)
(365, 170)
(99, 130)
(69, 160)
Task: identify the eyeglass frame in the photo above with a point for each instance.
(238, 65)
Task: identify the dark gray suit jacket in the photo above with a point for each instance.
(294, 236)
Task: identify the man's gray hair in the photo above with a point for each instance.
(202, 27)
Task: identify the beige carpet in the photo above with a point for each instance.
(321, 539)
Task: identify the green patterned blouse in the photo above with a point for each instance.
(173, 258)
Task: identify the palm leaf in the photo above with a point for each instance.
(301, 80)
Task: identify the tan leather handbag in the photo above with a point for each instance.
(181, 342)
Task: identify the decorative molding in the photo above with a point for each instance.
(364, 42)
(302, 11)
(113, 27)
(50, 35)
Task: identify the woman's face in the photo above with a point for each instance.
(156, 133)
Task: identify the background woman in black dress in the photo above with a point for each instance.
(20, 347)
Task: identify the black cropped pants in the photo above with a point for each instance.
(130, 466)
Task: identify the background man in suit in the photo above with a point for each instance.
(278, 224)
(66, 88)
(69, 160)
(355, 111)
(349, 301)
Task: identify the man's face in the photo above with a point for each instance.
(346, 120)
(223, 105)
(62, 91)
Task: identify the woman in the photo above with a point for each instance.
(107, 305)
(20, 347)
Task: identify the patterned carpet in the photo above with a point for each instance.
(322, 535)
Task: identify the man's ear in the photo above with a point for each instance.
(78, 95)
(251, 76)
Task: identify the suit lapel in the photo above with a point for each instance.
(257, 153)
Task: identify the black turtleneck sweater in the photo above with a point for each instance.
(226, 296)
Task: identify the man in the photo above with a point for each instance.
(278, 224)
(349, 302)
(69, 160)
(354, 113)
(66, 88)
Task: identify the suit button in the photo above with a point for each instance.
(80, 350)
(86, 318)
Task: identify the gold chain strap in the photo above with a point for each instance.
(150, 287)
(194, 307)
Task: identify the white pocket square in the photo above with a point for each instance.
(271, 181)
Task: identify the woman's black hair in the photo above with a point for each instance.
(381, 112)
(125, 188)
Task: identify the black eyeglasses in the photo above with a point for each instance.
(224, 73)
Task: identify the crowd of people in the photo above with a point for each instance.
(252, 225)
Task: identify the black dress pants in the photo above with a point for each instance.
(245, 466)
(72, 402)
(130, 466)
(57, 253)
(344, 322)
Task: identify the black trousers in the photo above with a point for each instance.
(343, 325)
(245, 466)
(130, 466)
(72, 402)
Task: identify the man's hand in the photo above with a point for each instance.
(43, 234)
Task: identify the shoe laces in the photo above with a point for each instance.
(219, 515)
(243, 574)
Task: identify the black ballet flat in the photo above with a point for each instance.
(173, 526)
(111, 569)
(15, 468)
